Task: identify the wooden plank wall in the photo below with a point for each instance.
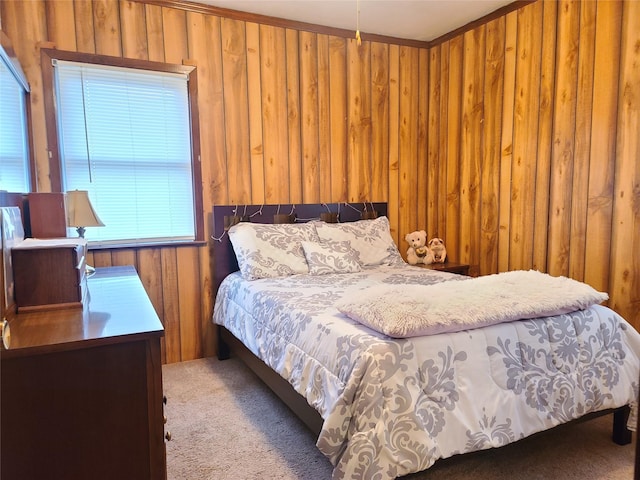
(516, 141)
(539, 130)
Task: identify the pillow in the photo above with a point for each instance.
(331, 257)
(265, 251)
(370, 238)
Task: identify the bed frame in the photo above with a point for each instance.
(225, 263)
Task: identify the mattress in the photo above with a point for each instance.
(393, 406)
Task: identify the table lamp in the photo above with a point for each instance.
(80, 212)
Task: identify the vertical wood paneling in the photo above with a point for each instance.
(293, 116)
(134, 30)
(102, 258)
(452, 234)
(393, 206)
(338, 112)
(124, 257)
(506, 145)
(625, 262)
(204, 45)
(170, 304)
(150, 273)
(188, 293)
(155, 34)
(432, 165)
(84, 26)
(442, 71)
(408, 140)
(174, 28)
(517, 142)
(471, 148)
(215, 135)
(309, 117)
(545, 131)
(324, 121)
(199, 46)
(603, 143)
(207, 333)
(359, 121)
(428, 143)
(490, 182)
(254, 92)
(560, 121)
(61, 25)
(426, 187)
(523, 167)
(234, 68)
(379, 121)
(564, 124)
(274, 113)
(581, 165)
(106, 22)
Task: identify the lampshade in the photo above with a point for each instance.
(80, 212)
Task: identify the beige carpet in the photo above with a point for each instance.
(226, 425)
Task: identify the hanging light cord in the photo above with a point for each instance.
(358, 38)
(86, 128)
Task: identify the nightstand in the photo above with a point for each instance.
(451, 267)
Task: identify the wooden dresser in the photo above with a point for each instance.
(81, 388)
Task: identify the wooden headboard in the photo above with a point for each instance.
(225, 216)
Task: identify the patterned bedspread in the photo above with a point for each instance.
(394, 406)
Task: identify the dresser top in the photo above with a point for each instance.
(37, 243)
(117, 308)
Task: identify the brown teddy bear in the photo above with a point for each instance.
(418, 251)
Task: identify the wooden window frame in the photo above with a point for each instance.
(47, 56)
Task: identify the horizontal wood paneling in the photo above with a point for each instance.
(515, 141)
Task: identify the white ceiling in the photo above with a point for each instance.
(410, 19)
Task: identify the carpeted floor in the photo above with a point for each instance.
(226, 425)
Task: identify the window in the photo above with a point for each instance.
(14, 143)
(126, 136)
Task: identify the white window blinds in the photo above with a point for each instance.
(14, 153)
(125, 138)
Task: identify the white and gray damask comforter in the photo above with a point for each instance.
(394, 406)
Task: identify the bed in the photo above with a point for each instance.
(294, 300)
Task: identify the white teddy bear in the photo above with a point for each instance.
(418, 251)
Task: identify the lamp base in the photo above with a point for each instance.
(80, 231)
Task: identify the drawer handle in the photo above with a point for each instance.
(164, 419)
(5, 333)
(168, 436)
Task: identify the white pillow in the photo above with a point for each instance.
(271, 250)
(370, 238)
(331, 257)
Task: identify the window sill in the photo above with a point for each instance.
(117, 246)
